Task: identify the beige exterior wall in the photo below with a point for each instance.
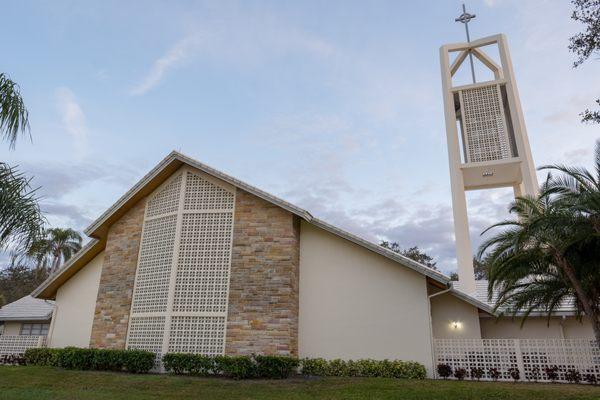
(12, 328)
(578, 329)
(75, 305)
(535, 328)
(452, 318)
(358, 304)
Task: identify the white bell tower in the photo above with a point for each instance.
(487, 139)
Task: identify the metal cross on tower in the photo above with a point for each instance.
(465, 18)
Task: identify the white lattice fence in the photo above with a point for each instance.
(529, 356)
(17, 344)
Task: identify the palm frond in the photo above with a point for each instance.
(14, 117)
(21, 220)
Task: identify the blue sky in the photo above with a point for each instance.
(335, 106)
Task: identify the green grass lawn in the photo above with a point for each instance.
(51, 383)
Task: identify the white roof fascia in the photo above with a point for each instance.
(204, 168)
(473, 301)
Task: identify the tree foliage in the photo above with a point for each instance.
(55, 248)
(480, 268)
(414, 253)
(587, 43)
(20, 215)
(550, 253)
(18, 281)
(14, 117)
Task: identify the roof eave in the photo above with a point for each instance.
(29, 318)
(47, 290)
(161, 172)
(473, 301)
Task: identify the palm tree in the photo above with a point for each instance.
(20, 216)
(57, 247)
(14, 117)
(550, 253)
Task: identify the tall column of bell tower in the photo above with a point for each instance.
(487, 139)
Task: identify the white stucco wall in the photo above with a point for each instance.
(357, 304)
(578, 330)
(447, 309)
(535, 328)
(75, 306)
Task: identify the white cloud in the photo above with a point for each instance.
(241, 39)
(174, 57)
(73, 120)
(492, 3)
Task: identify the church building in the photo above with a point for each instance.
(193, 260)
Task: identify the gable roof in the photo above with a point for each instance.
(481, 295)
(162, 172)
(27, 308)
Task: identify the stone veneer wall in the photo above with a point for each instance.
(263, 292)
(111, 318)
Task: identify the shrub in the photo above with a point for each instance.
(42, 356)
(363, 368)
(590, 378)
(107, 360)
(477, 373)
(135, 361)
(275, 367)
(194, 364)
(239, 367)
(338, 367)
(514, 373)
(533, 374)
(138, 361)
(444, 370)
(408, 370)
(573, 376)
(314, 367)
(75, 358)
(460, 373)
(494, 373)
(551, 372)
(12, 359)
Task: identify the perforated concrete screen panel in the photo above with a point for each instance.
(182, 280)
(484, 124)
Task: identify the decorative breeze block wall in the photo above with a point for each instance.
(182, 281)
(529, 356)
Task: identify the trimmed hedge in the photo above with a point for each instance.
(276, 367)
(363, 368)
(134, 361)
(236, 367)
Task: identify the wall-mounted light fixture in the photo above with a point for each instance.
(456, 325)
